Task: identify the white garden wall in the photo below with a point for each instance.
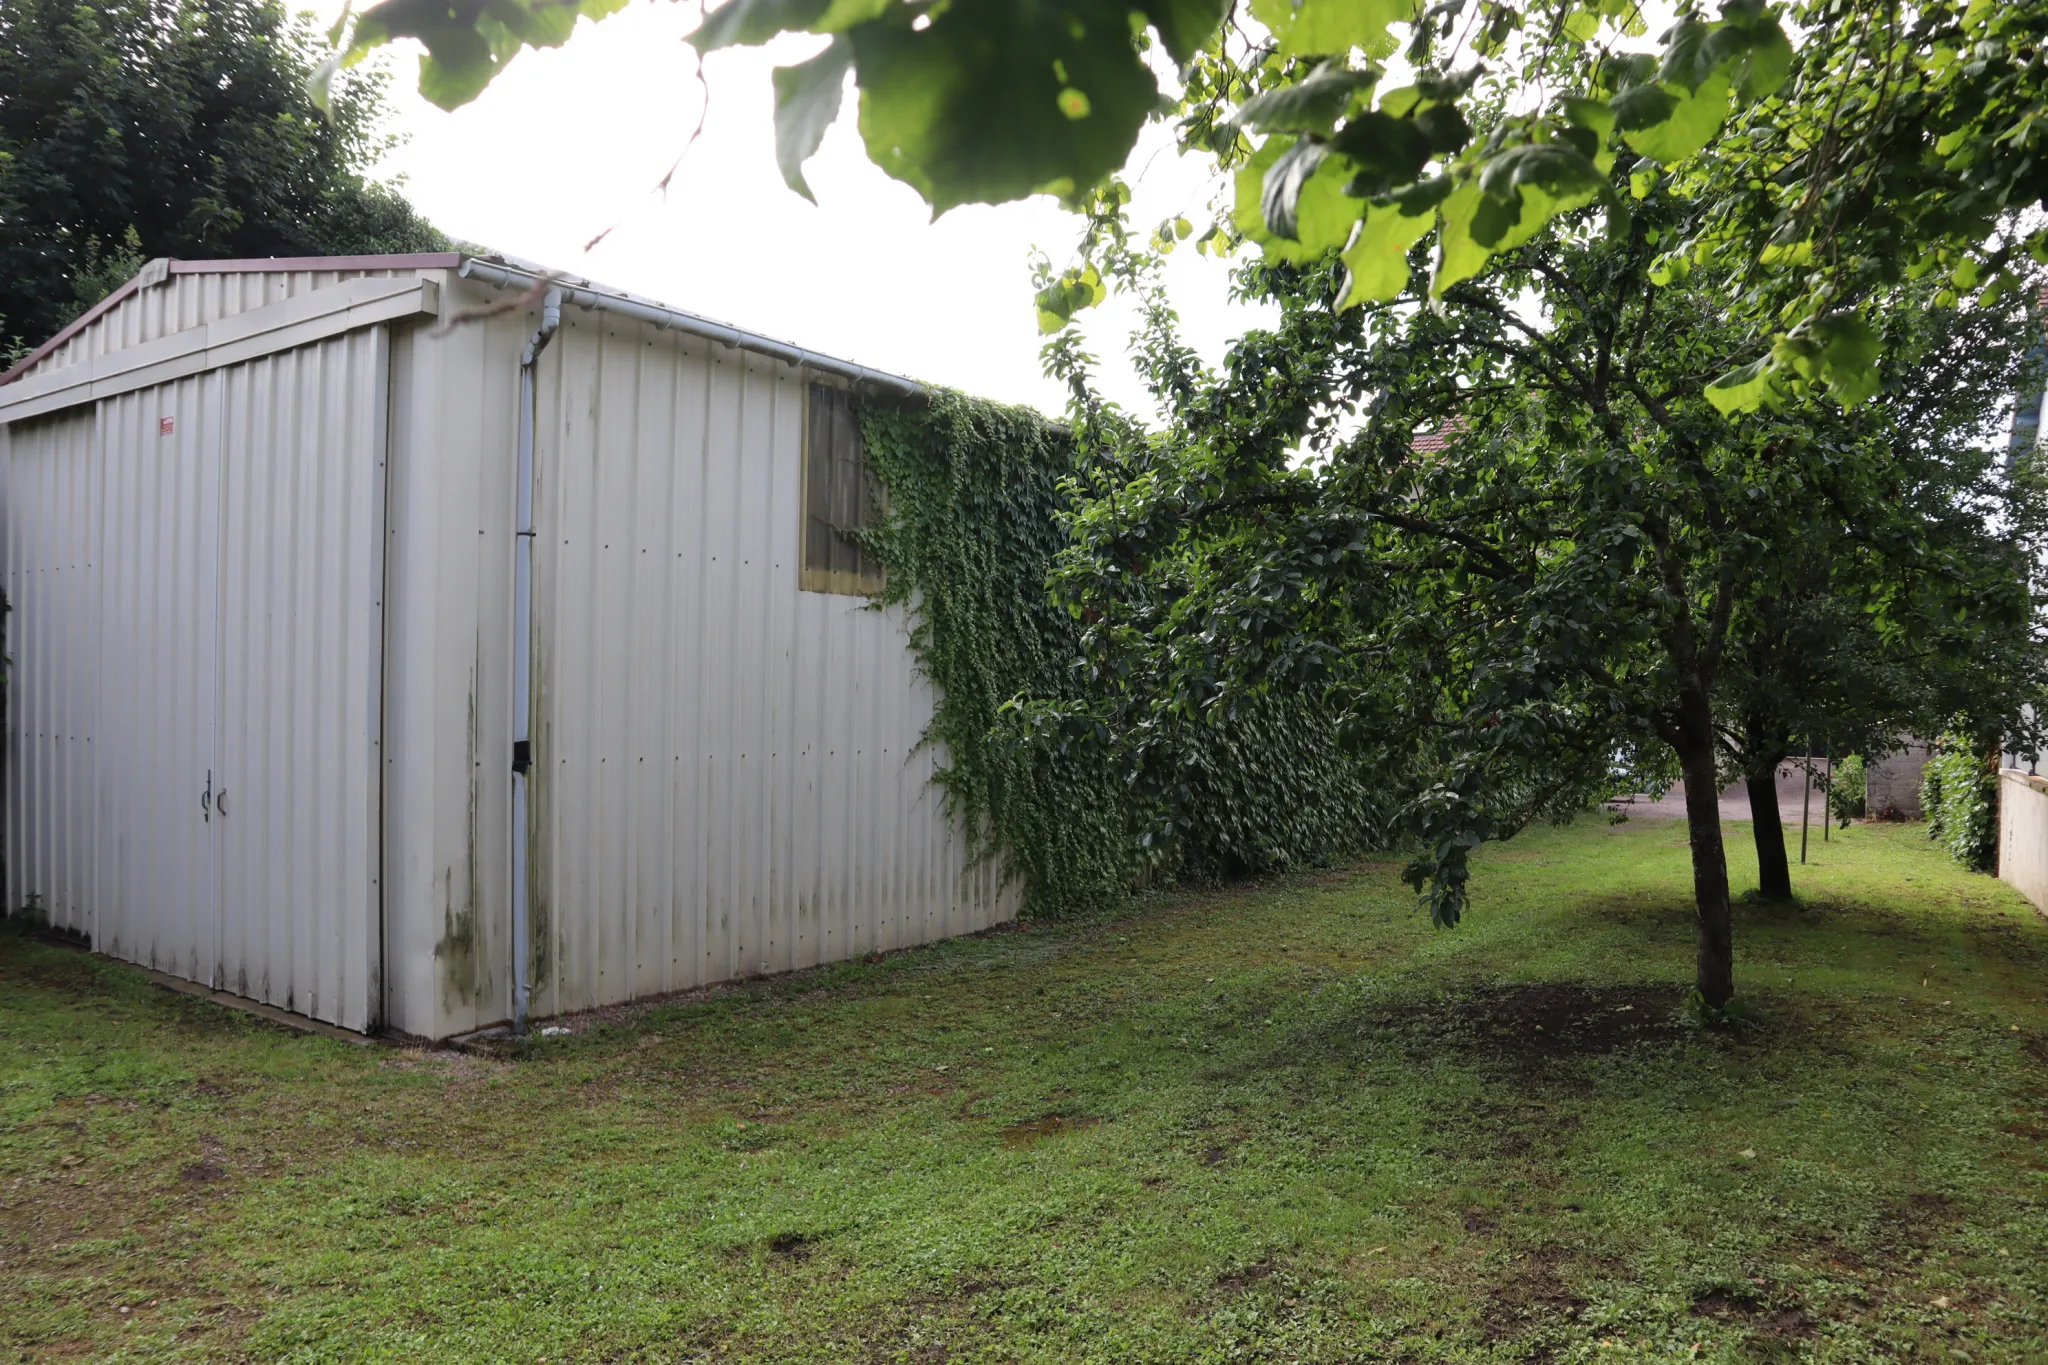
(2023, 834)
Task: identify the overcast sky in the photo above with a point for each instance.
(570, 141)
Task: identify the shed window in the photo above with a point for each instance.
(839, 496)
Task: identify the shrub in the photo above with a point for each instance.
(1847, 789)
(1959, 792)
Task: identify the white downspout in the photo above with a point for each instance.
(522, 650)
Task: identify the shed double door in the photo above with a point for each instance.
(240, 676)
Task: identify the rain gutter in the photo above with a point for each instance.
(504, 276)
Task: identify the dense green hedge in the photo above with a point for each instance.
(977, 495)
(1959, 793)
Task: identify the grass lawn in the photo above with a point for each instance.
(1285, 1124)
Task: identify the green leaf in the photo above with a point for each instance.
(1694, 119)
(1454, 86)
(1629, 69)
(1688, 59)
(1642, 106)
(1556, 167)
(1673, 267)
(1743, 390)
(1443, 126)
(807, 100)
(1458, 256)
(467, 45)
(1424, 196)
(752, 22)
(1185, 26)
(1842, 353)
(1589, 113)
(1401, 101)
(1582, 26)
(1074, 290)
(1311, 105)
(1314, 28)
(1619, 220)
(1538, 207)
(1323, 213)
(1753, 49)
(1764, 68)
(1376, 262)
(1517, 192)
(1527, 186)
(973, 107)
(1281, 189)
(1387, 151)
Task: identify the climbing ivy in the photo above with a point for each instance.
(978, 499)
(1959, 793)
(974, 491)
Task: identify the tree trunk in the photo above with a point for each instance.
(1773, 871)
(1716, 970)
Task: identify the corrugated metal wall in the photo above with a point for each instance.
(157, 658)
(48, 535)
(301, 643)
(195, 570)
(448, 671)
(728, 776)
(183, 301)
(727, 773)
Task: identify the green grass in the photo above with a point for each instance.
(1294, 1124)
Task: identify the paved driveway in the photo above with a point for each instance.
(1734, 801)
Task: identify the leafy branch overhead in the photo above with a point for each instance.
(1887, 142)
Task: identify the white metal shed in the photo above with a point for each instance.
(305, 557)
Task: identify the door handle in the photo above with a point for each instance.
(220, 802)
(206, 800)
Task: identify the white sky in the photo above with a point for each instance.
(569, 141)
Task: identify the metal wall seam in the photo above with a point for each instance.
(51, 575)
(300, 491)
(786, 821)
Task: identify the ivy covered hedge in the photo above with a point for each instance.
(977, 495)
(1959, 793)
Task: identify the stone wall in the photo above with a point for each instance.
(1894, 784)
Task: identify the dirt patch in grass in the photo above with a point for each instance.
(1543, 1022)
(790, 1246)
(1529, 1304)
(1243, 1278)
(1563, 1019)
(1785, 1322)
(1916, 1222)
(1031, 1132)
